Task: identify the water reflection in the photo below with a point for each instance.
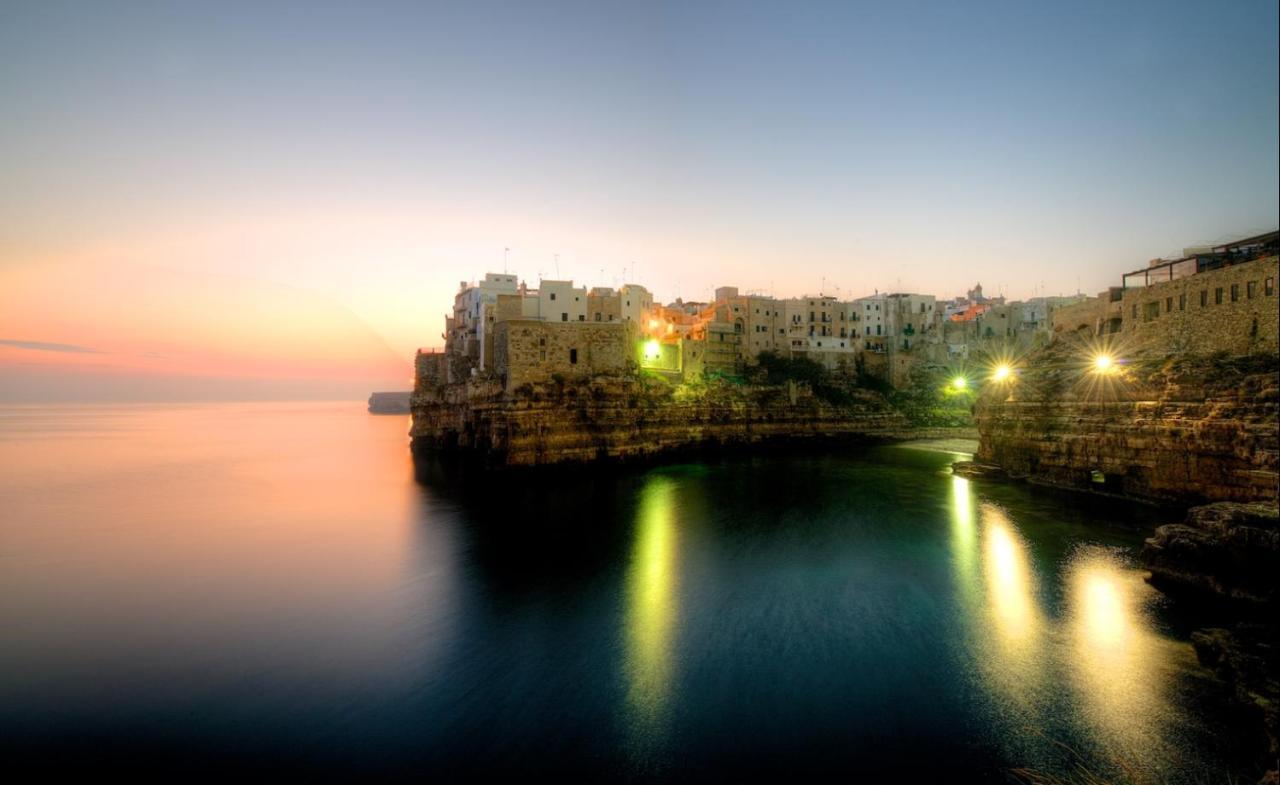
(963, 533)
(1117, 663)
(1015, 623)
(1100, 639)
(652, 610)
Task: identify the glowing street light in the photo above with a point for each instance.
(1104, 363)
(959, 382)
(1002, 373)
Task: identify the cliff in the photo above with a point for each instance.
(389, 403)
(1188, 430)
(629, 416)
(1225, 550)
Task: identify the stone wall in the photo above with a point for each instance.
(531, 351)
(1232, 309)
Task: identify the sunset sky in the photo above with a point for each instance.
(275, 200)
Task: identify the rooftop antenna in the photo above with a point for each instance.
(505, 251)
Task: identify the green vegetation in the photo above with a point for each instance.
(773, 369)
(931, 399)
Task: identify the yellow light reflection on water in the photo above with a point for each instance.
(1118, 664)
(963, 537)
(1008, 580)
(1013, 640)
(652, 610)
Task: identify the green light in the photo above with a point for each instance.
(959, 382)
(652, 349)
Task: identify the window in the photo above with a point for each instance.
(877, 329)
(597, 316)
(1251, 289)
(1182, 302)
(1235, 292)
(1135, 311)
(1168, 304)
(1204, 297)
(553, 295)
(573, 356)
(564, 317)
(1150, 311)
(582, 317)
(1269, 287)
(1217, 296)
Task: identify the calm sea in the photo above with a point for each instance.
(259, 589)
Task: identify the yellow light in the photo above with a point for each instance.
(959, 382)
(1103, 363)
(652, 349)
(1002, 372)
(653, 324)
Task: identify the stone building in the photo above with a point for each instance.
(604, 305)
(1232, 308)
(536, 351)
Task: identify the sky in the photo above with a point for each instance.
(276, 199)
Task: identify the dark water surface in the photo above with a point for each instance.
(275, 588)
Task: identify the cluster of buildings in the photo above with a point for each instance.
(502, 329)
(1210, 299)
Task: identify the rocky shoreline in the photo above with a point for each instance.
(621, 419)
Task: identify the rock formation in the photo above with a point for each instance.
(1185, 430)
(629, 416)
(1227, 550)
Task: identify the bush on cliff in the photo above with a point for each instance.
(928, 400)
(773, 369)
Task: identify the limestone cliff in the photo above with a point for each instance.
(628, 416)
(1227, 550)
(1188, 430)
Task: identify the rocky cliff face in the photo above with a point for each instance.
(1227, 550)
(1189, 431)
(1229, 554)
(622, 417)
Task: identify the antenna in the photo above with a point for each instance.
(505, 251)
